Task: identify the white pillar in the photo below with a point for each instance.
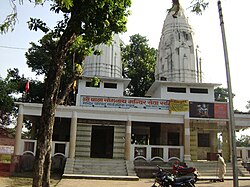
(187, 155)
(73, 129)
(127, 151)
(18, 131)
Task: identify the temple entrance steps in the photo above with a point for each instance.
(99, 166)
(210, 168)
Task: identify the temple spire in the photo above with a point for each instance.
(176, 57)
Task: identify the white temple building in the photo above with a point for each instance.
(106, 132)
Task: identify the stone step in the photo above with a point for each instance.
(209, 168)
(88, 166)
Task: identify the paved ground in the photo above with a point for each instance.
(7, 182)
(140, 183)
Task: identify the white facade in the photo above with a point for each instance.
(104, 89)
(200, 92)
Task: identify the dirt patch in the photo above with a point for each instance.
(21, 182)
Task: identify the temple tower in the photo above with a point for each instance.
(107, 64)
(176, 59)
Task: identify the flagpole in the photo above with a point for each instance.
(231, 110)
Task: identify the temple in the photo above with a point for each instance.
(107, 133)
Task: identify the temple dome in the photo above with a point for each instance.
(176, 59)
(107, 64)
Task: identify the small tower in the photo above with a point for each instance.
(107, 64)
(107, 67)
(176, 59)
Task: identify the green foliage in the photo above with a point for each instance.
(64, 3)
(16, 92)
(138, 64)
(6, 102)
(17, 84)
(221, 94)
(39, 56)
(243, 141)
(9, 23)
(198, 6)
(35, 24)
(95, 82)
(95, 22)
(11, 19)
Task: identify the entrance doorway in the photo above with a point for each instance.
(102, 140)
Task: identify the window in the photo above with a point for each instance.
(198, 90)
(140, 139)
(203, 140)
(173, 139)
(60, 148)
(91, 84)
(176, 89)
(110, 85)
(29, 146)
(185, 35)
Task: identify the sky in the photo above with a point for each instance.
(147, 20)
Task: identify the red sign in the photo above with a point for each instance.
(220, 110)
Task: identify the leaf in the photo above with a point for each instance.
(9, 23)
(35, 24)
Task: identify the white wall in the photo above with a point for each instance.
(100, 91)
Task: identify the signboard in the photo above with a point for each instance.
(220, 110)
(179, 105)
(201, 110)
(6, 149)
(122, 102)
(208, 110)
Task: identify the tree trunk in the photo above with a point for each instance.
(39, 160)
(45, 130)
(66, 91)
(46, 168)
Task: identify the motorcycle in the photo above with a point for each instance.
(183, 170)
(164, 178)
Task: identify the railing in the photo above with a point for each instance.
(243, 153)
(58, 147)
(149, 152)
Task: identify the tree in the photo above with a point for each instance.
(138, 64)
(92, 23)
(15, 91)
(6, 103)
(243, 141)
(221, 94)
(18, 83)
(197, 6)
(39, 57)
(11, 87)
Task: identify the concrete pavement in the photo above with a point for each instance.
(8, 182)
(140, 183)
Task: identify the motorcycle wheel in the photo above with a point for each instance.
(195, 178)
(190, 185)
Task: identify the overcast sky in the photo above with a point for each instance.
(147, 20)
